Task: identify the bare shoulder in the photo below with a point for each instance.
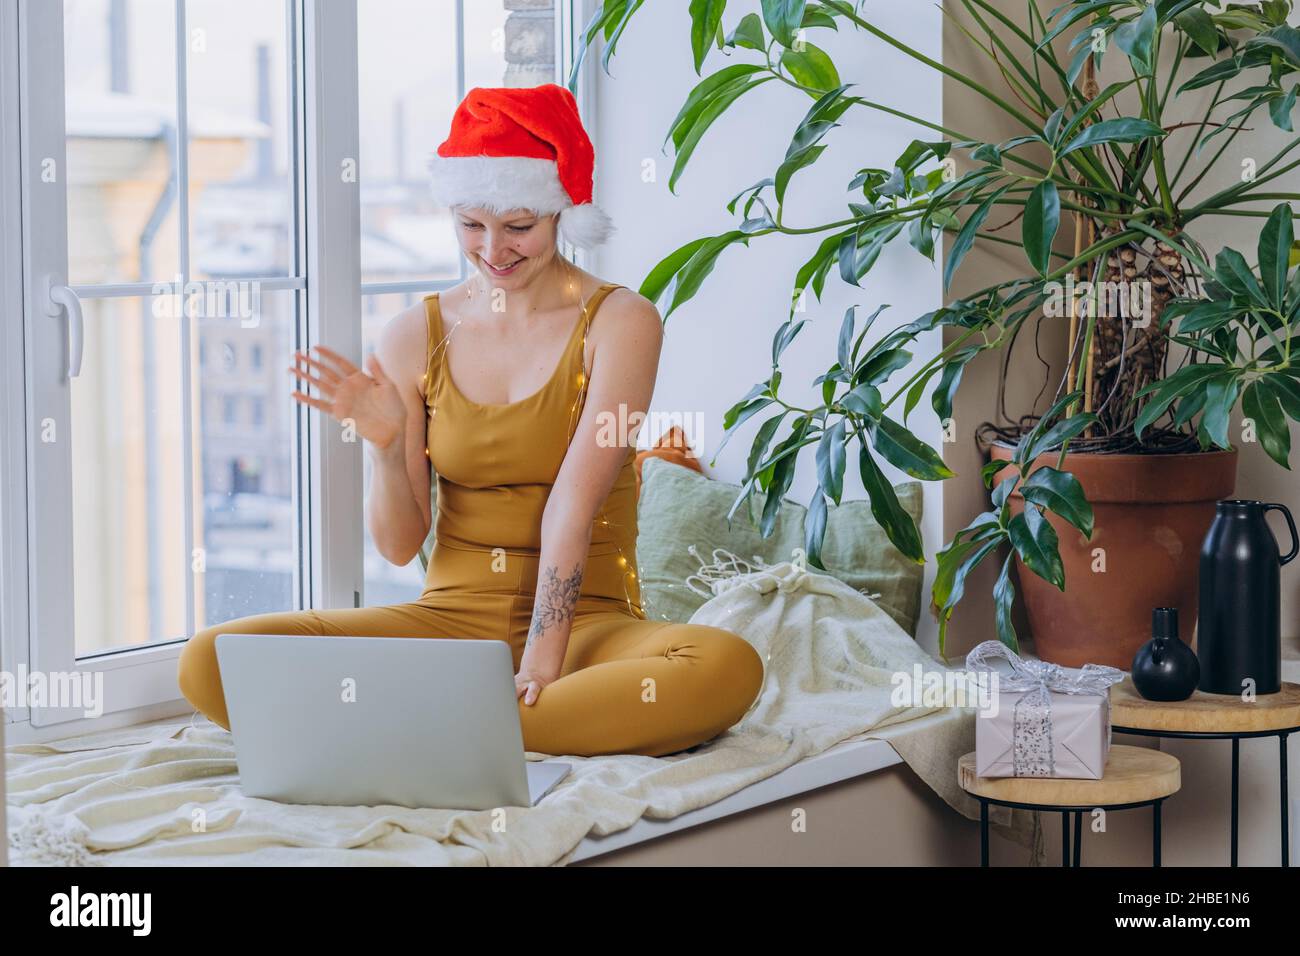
(630, 315)
(403, 346)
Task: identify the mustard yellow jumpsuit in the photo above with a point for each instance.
(628, 684)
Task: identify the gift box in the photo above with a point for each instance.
(1049, 721)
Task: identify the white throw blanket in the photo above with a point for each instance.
(168, 793)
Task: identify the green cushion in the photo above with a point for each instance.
(680, 507)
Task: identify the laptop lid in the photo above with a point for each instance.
(367, 721)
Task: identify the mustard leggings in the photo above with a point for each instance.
(628, 685)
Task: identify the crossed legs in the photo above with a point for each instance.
(627, 686)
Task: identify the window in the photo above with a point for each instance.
(201, 213)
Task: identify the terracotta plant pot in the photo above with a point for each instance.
(1150, 515)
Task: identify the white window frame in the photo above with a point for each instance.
(140, 683)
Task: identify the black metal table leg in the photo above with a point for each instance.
(1286, 828)
(1155, 833)
(1236, 757)
(984, 833)
(1065, 838)
(1078, 837)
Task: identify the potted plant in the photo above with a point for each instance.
(1120, 422)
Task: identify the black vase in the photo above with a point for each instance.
(1164, 668)
(1239, 634)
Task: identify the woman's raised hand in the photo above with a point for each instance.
(372, 402)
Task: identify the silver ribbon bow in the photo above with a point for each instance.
(1032, 752)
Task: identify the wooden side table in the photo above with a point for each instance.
(1215, 717)
(1133, 777)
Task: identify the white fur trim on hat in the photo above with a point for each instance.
(500, 184)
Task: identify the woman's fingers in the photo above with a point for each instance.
(313, 402)
(376, 370)
(328, 374)
(341, 366)
(322, 386)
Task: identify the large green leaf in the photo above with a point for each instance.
(1220, 397)
(1057, 435)
(700, 97)
(966, 237)
(815, 528)
(1188, 380)
(1275, 253)
(888, 512)
(1035, 541)
(830, 461)
(945, 390)
(783, 19)
(748, 33)
(1231, 269)
(811, 68)
(693, 273)
(1219, 72)
(652, 287)
(905, 451)
(712, 109)
(1199, 27)
(706, 20)
(1004, 596)
(1059, 492)
(1282, 40)
(1137, 38)
(1126, 129)
(1260, 402)
(1042, 220)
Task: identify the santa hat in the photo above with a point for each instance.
(522, 148)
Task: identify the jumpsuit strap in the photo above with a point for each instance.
(433, 323)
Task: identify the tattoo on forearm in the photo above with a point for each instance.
(555, 601)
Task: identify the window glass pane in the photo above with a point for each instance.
(407, 93)
(241, 136)
(120, 83)
(243, 451)
(385, 583)
(130, 568)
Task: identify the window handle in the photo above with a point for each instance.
(59, 298)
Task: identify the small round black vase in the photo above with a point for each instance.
(1164, 668)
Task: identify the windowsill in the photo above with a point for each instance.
(850, 758)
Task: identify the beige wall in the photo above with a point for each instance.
(964, 496)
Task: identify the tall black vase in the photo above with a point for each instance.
(1239, 632)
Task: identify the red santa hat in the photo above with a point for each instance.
(522, 148)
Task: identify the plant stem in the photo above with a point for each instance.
(850, 14)
(928, 364)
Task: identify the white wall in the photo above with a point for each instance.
(719, 344)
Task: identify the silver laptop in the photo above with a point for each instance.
(370, 721)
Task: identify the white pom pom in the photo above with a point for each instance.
(586, 225)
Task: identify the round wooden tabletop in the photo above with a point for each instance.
(1132, 775)
(1205, 713)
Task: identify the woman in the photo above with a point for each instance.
(505, 386)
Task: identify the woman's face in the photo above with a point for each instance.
(520, 240)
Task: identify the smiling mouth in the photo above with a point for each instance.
(504, 268)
